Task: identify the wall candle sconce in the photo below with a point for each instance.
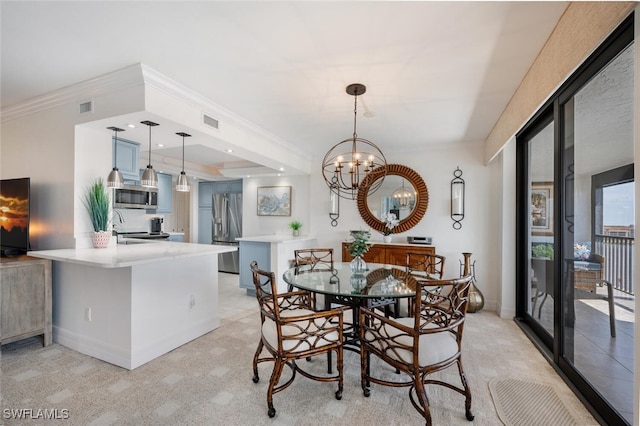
(334, 207)
(457, 199)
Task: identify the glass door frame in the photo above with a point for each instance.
(553, 110)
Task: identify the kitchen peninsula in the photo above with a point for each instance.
(273, 253)
(129, 304)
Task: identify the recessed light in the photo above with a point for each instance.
(282, 169)
(132, 126)
(160, 145)
(229, 150)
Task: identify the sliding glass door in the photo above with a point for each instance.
(576, 228)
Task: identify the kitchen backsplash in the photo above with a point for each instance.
(134, 220)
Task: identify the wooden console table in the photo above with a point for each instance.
(25, 299)
(387, 253)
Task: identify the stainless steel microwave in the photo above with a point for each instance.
(135, 197)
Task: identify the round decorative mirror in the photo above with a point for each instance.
(403, 192)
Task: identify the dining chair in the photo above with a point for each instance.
(291, 330)
(427, 342)
(314, 260)
(421, 267)
(425, 266)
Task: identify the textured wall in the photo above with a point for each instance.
(582, 27)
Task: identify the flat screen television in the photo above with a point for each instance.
(14, 215)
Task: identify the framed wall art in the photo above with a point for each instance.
(542, 208)
(274, 201)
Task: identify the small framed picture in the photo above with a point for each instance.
(274, 201)
(542, 208)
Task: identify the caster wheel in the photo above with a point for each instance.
(469, 416)
(256, 378)
(271, 412)
(339, 395)
(367, 393)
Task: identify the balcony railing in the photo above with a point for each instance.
(618, 256)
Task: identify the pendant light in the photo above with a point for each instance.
(182, 185)
(347, 163)
(115, 180)
(149, 176)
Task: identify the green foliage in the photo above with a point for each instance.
(96, 201)
(360, 244)
(295, 225)
(542, 250)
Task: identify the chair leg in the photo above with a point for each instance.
(364, 372)
(541, 303)
(467, 392)
(612, 310)
(256, 377)
(421, 393)
(340, 368)
(275, 378)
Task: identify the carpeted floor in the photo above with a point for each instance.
(208, 382)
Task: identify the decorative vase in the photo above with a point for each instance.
(386, 238)
(476, 299)
(358, 282)
(296, 232)
(358, 266)
(101, 239)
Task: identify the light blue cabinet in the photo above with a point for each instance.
(230, 186)
(176, 238)
(205, 194)
(205, 226)
(165, 193)
(250, 251)
(126, 156)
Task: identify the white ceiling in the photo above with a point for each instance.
(436, 72)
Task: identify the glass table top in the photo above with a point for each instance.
(379, 281)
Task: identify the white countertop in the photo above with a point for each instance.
(276, 238)
(123, 255)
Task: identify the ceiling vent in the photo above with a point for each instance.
(210, 121)
(86, 107)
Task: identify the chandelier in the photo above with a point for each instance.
(404, 197)
(347, 163)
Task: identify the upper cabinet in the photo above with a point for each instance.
(205, 194)
(126, 156)
(165, 193)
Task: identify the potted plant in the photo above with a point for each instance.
(359, 246)
(295, 227)
(96, 201)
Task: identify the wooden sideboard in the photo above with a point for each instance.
(389, 254)
(25, 299)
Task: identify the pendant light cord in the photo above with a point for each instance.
(183, 153)
(149, 145)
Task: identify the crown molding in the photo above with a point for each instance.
(123, 78)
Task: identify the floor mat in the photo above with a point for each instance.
(525, 403)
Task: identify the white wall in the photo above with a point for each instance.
(436, 166)
(301, 204)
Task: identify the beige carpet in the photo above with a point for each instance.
(208, 382)
(527, 403)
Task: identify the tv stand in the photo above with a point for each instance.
(25, 299)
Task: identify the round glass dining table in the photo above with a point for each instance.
(380, 286)
(378, 282)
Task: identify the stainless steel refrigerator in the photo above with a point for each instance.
(226, 227)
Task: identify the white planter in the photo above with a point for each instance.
(386, 238)
(101, 239)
